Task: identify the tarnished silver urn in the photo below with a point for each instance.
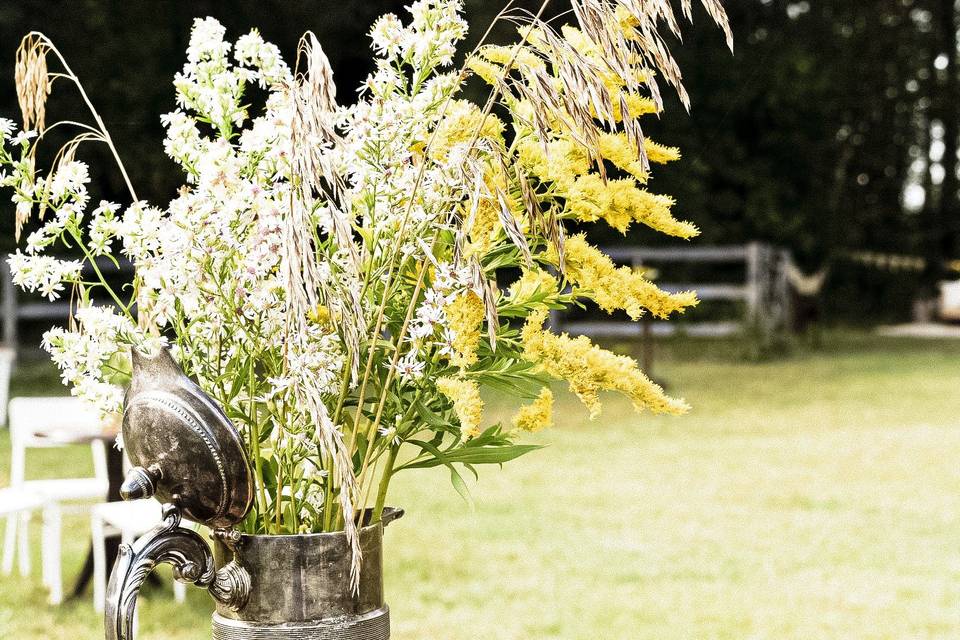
(189, 456)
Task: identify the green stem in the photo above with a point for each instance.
(255, 442)
(103, 281)
(384, 484)
(328, 496)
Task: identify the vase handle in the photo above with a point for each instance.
(192, 562)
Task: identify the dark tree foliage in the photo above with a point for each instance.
(809, 135)
(806, 137)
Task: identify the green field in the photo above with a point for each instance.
(817, 496)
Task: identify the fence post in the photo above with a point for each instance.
(754, 293)
(783, 291)
(8, 300)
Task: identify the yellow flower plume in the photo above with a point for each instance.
(621, 203)
(613, 287)
(465, 316)
(459, 124)
(588, 369)
(465, 395)
(533, 283)
(537, 415)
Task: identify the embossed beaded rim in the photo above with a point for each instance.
(372, 626)
(173, 405)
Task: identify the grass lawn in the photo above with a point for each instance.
(816, 496)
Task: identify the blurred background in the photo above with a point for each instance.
(812, 492)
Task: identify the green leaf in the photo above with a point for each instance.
(439, 457)
(475, 455)
(457, 481)
(430, 417)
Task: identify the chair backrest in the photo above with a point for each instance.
(46, 422)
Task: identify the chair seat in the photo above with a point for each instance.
(67, 489)
(15, 500)
(135, 517)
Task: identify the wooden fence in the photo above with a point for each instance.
(764, 290)
(15, 311)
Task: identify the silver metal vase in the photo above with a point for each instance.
(190, 456)
(300, 587)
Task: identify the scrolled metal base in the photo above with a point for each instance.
(372, 626)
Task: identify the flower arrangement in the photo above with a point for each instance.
(330, 274)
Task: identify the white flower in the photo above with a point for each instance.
(409, 368)
(390, 433)
(45, 274)
(141, 230)
(104, 227)
(386, 34)
(37, 240)
(7, 127)
(70, 179)
(445, 344)
(106, 397)
(23, 137)
(265, 56)
(206, 40)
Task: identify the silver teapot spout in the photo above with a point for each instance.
(190, 457)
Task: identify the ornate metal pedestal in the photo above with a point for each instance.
(190, 457)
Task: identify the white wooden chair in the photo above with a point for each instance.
(45, 423)
(129, 520)
(17, 503)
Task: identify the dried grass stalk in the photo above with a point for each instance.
(33, 82)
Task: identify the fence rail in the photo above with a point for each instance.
(764, 290)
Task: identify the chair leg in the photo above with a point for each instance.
(10, 543)
(51, 552)
(99, 562)
(179, 591)
(23, 535)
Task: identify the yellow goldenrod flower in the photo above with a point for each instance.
(486, 218)
(588, 369)
(623, 154)
(465, 395)
(614, 287)
(562, 161)
(320, 315)
(459, 125)
(537, 415)
(627, 19)
(524, 57)
(586, 47)
(618, 149)
(485, 222)
(637, 106)
(532, 283)
(659, 153)
(621, 203)
(465, 317)
(581, 43)
(491, 73)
